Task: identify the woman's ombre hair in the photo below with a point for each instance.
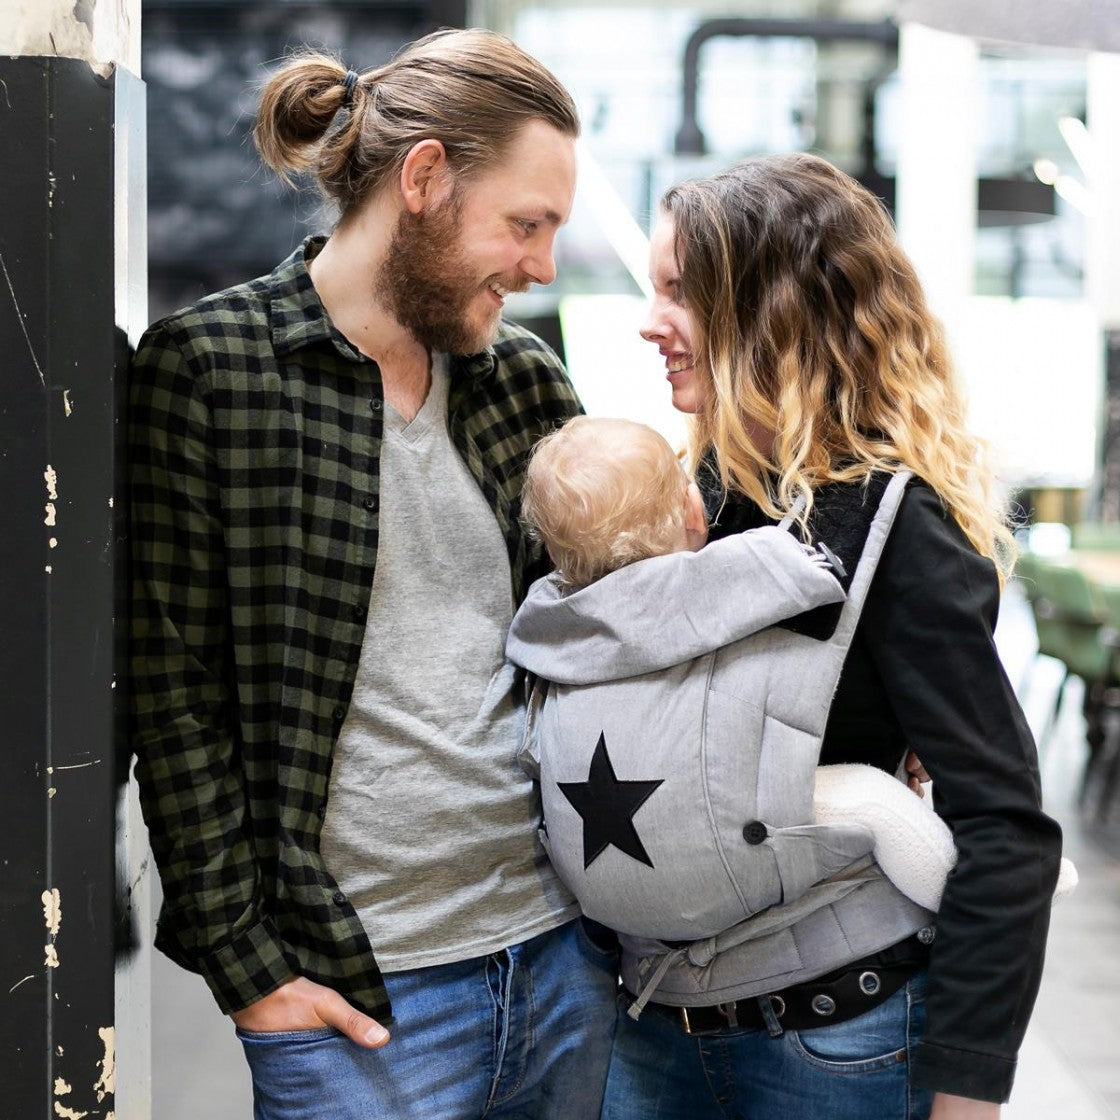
(810, 323)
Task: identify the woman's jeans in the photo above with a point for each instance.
(523, 1033)
(854, 1070)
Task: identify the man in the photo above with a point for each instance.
(326, 474)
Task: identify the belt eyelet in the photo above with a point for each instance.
(869, 983)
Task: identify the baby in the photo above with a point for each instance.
(603, 494)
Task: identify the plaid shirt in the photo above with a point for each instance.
(255, 433)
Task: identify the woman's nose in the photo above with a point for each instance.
(651, 329)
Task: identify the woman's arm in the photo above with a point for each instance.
(928, 625)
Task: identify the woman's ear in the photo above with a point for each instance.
(695, 518)
(425, 180)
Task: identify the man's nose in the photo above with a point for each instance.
(540, 266)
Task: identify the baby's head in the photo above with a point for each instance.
(602, 493)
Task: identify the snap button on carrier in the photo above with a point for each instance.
(754, 832)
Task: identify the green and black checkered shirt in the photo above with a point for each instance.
(255, 436)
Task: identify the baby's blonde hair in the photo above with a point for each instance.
(602, 493)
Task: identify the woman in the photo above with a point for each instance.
(796, 333)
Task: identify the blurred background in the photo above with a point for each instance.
(990, 133)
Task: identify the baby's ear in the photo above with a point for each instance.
(695, 518)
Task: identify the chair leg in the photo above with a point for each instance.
(1110, 765)
(1103, 741)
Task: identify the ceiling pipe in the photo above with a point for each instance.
(1000, 201)
(689, 139)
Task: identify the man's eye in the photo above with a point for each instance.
(527, 225)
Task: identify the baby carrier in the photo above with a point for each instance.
(677, 767)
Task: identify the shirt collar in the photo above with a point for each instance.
(299, 318)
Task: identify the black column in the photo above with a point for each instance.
(66, 310)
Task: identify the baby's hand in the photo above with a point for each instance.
(816, 558)
(824, 557)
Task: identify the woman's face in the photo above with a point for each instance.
(669, 324)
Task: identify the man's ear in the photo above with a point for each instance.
(426, 179)
(695, 518)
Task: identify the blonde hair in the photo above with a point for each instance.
(471, 90)
(603, 493)
(813, 325)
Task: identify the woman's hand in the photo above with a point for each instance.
(301, 1005)
(695, 518)
(916, 773)
(948, 1107)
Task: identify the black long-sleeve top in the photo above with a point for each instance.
(923, 672)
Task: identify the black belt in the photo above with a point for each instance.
(833, 998)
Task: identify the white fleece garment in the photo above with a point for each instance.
(913, 845)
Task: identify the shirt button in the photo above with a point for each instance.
(339, 898)
(339, 715)
(358, 611)
(370, 503)
(374, 404)
(926, 935)
(754, 832)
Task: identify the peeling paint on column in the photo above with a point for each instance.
(67, 406)
(68, 1113)
(61, 1087)
(52, 912)
(106, 1084)
(50, 476)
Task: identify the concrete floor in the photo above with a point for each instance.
(1068, 1067)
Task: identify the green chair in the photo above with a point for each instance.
(1095, 535)
(1068, 621)
(1102, 768)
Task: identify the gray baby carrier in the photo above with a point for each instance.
(677, 766)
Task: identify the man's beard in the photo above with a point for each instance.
(423, 281)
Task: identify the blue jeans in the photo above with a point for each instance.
(518, 1035)
(854, 1070)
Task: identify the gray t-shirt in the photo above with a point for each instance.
(431, 823)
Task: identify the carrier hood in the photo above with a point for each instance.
(667, 609)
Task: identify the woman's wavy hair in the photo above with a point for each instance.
(470, 89)
(812, 325)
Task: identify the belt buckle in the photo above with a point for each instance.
(726, 1010)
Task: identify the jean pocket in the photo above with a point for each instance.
(872, 1041)
(311, 1034)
